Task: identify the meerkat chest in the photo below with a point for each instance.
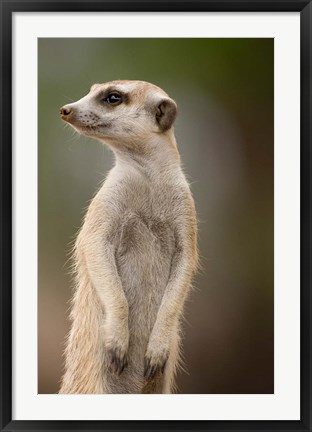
(147, 221)
(140, 216)
(145, 226)
(144, 245)
(140, 220)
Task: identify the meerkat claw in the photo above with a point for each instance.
(151, 370)
(118, 363)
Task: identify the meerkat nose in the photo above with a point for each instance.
(65, 111)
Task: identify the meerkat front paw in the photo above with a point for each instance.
(155, 360)
(117, 343)
(118, 359)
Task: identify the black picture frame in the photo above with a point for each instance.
(7, 9)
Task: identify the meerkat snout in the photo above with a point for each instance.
(118, 111)
(65, 112)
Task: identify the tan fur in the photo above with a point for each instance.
(136, 252)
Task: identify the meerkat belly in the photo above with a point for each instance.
(143, 257)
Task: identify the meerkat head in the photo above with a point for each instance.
(122, 113)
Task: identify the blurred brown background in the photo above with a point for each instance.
(224, 90)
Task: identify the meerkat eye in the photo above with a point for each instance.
(113, 98)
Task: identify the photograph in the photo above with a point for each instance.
(155, 219)
(155, 215)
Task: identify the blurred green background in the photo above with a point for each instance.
(225, 133)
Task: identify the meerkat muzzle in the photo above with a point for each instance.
(65, 112)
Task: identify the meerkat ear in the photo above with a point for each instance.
(166, 111)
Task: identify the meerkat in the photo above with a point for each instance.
(136, 253)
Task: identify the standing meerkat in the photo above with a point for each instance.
(136, 252)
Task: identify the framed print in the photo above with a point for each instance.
(155, 215)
